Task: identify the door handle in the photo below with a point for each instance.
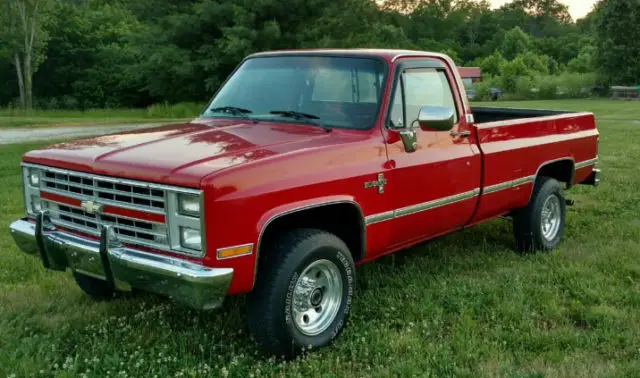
(463, 134)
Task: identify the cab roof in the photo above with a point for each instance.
(389, 55)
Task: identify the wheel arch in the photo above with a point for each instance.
(316, 215)
(562, 169)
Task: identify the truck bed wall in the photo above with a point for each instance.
(514, 151)
(487, 114)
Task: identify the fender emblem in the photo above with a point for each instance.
(379, 183)
(91, 207)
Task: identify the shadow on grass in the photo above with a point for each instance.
(156, 322)
(470, 244)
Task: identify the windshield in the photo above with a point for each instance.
(337, 92)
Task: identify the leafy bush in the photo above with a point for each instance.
(511, 71)
(537, 87)
(491, 64)
(526, 88)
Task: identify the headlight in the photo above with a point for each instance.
(185, 230)
(36, 204)
(190, 238)
(34, 177)
(189, 204)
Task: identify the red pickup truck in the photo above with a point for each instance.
(305, 164)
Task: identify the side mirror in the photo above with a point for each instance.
(436, 118)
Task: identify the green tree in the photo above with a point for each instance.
(584, 62)
(617, 37)
(513, 70)
(540, 18)
(515, 42)
(25, 39)
(90, 57)
(492, 64)
(536, 63)
(134, 53)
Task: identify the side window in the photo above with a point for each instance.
(396, 115)
(422, 87)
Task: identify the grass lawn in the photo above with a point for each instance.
(462, 305)
(39, 122)
(46, 118)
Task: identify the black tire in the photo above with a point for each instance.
(528, 221)
(271, 303)
(96, 289)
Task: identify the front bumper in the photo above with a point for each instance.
(124, 268)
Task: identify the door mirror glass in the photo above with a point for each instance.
(436, 118)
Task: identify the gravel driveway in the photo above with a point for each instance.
(17, 135)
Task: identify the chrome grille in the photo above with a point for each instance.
(104, 190)
(128, 230)
(93, 191)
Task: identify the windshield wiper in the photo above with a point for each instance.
(234, 110)
(310, 118)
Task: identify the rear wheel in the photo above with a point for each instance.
(540, 225)
(96, 289)
(302, 296)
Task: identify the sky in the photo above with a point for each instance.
(577, 8)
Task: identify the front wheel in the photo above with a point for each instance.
(540, 225)
(303, 292)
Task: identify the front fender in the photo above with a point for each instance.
(289, 208)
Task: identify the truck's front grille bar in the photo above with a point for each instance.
(145, 233)
(104, 190)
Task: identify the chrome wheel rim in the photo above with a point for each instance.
(317, 296)
(551, 216)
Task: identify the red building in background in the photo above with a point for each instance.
(470, 75)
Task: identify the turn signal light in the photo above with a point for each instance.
(240, 250)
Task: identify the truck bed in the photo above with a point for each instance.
(490, 114)
(517, 145)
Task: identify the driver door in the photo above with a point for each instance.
(436, 187)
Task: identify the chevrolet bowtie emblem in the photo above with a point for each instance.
(91, 207)
(379, 183)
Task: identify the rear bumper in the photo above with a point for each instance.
(192, 284)
(593, 179)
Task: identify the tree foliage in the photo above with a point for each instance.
(617, 37)
(24, 38)
(103, 53)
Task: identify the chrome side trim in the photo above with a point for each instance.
(380, 217)
(409, 210)
(586, 163)
(302, 208)
(508, 184)
(420, 207)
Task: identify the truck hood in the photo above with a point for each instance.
(179, 154)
